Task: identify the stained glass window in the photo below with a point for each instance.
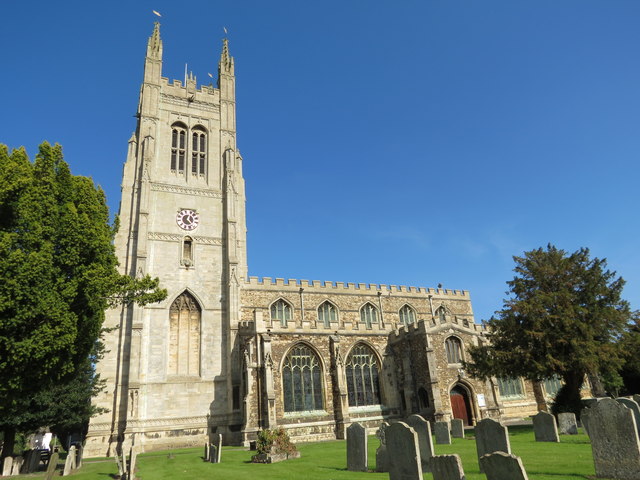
(301, 380)
(361, 370)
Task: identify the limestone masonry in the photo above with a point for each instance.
(230, 354)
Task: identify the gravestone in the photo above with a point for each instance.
(447, 467)
(79, 455)
(441, 431)
(215, 449)
(614, 440)
(503, 466)
(567, 424)
(70, 462)
(17, 465)
(545, 428)
(457, 428)
(206, 452)
(381, 452)
(30, 457)
(403, 452)
(51, 467)
(491, 436)
(7, 466)
(357, 448)
(425, 442)
(634, 407)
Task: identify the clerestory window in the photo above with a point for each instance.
(407, 315)
(368, 315)
(327, 314)
(281, 311)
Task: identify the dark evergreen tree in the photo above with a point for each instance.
(564, 317)
(58, 275)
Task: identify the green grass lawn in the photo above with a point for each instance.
(570, 459)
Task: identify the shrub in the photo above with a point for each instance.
(275, 441)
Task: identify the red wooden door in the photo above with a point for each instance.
(459, 407)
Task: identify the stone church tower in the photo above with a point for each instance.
(171, 366)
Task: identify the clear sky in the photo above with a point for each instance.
(407, 143)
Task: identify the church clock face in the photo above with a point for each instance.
(187, 219)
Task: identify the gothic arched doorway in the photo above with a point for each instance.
(461, 404)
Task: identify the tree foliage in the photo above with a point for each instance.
(564, 317)
(58, 275)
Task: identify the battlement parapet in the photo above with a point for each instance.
(177, 87)
(352, 287)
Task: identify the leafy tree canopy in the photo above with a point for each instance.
(564, 317)
(58, 274)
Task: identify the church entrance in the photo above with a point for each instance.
(460, 404)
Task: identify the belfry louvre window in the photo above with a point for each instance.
(407, 315)
(281, 311)
(302, 380)
(453, 346)
(327, 314)
(178, 147)
(368, 315)
(510, 387)
(362, 373)
(198, 151)
(184, 336)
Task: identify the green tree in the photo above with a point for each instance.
(58, 274)
(564, 316)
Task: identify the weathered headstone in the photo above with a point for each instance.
(70, 462)
(206, 452)
(17, 465)
(545, 428)
(502, 466)
(403, 452)
(34, 461)
(614, 440)
(634, 407)
(447, 467)
(567, 424)
(381, 451)
(356, 448)
(425, 442)
(51, 467)
(215, 448)
(491, 436)
(27, 465)
(79, 455)
(7, 466)
(441, 431)
(457, 428)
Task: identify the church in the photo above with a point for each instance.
(232, 354)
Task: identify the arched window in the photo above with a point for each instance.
(281, 311)
(453, 346)
(407, 315)
(441, 314)
(368, 314)
(361, 369)
(187, 251)
(552, 385)
(198, 151)
(510, 387)
(184, 336)
(178, 146)
(302, 380)
(327, 314)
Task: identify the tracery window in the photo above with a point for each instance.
(184, 336)
(281, 311)
(327, 314)
(368, 314)
(198, 151)
(510, 387)
(407, 315)
(552, 385)
(361, 369)
(453, 346)
(302, 380)
(178, 147)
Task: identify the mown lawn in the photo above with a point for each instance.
(570, 459)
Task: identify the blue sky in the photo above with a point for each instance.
(407, 143)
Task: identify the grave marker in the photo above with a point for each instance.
(381, 452)
(52, 465)
(503, 466)
(425, 442)
(403, 452)
(634, 407)
(441, 431)
(447, 467)
(491, 436)
(357, 448)
(567, 424)
(545, 428)
(457, 428)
